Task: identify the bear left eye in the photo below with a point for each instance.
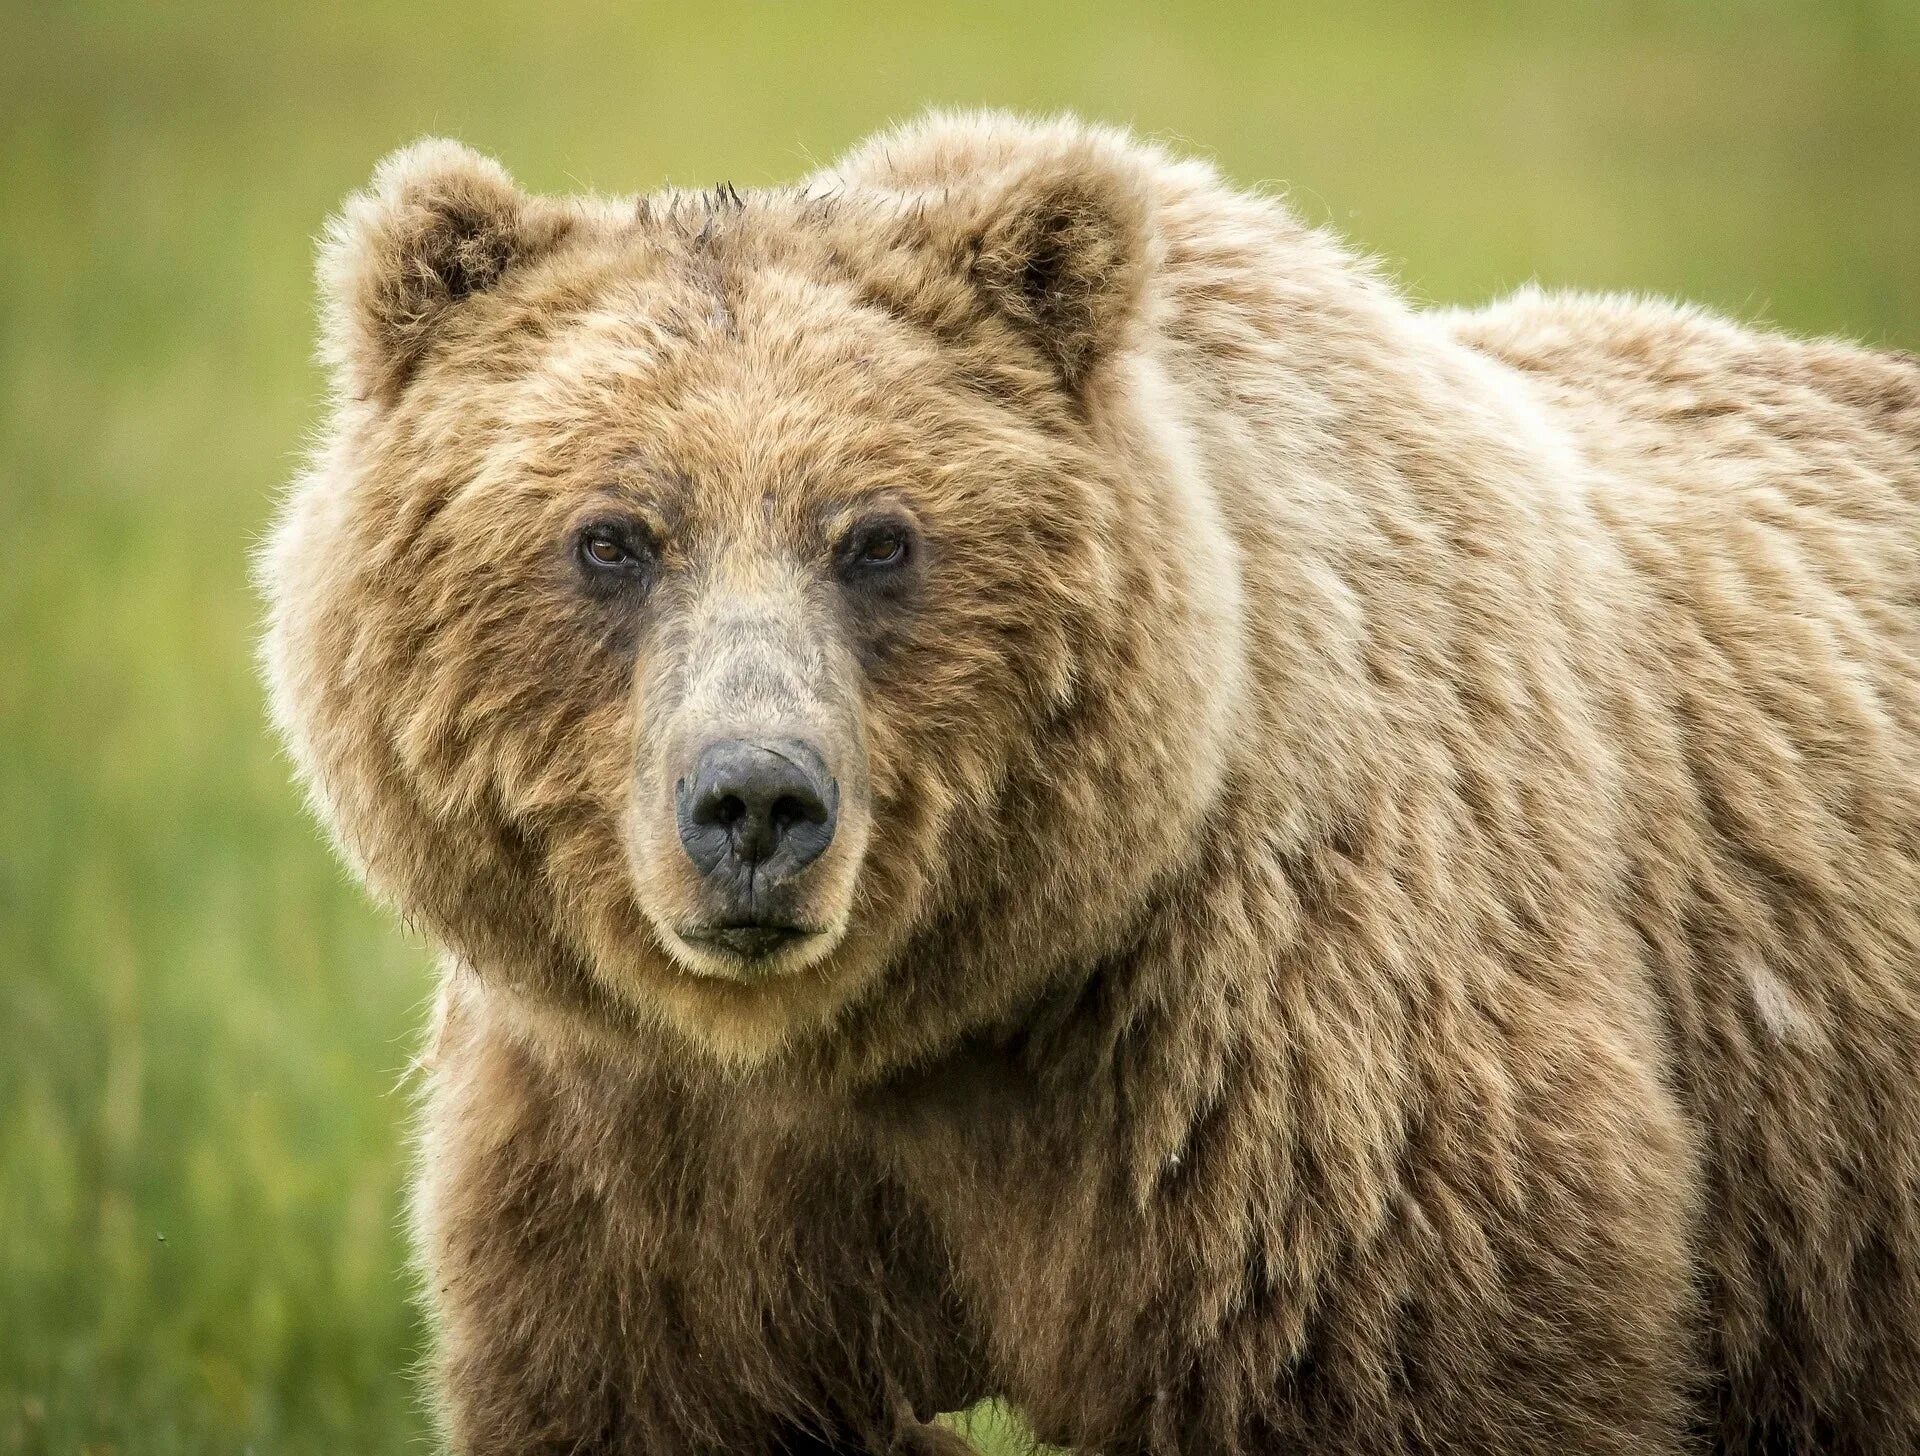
(877, 548)
(883, 548)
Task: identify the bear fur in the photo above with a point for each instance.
(1380, 899)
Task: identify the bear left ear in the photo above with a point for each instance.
(1063, 252)
(439, 224)
(1050, 221)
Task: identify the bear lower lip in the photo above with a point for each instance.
(751, 942)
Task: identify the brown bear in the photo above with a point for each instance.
(1035, 786)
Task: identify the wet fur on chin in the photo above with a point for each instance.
(1393, 910)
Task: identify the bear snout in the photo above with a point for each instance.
(752, 817)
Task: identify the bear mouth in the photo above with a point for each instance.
(748, 940)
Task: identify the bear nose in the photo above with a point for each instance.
(764, 808)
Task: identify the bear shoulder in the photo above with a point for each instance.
(1687, 366)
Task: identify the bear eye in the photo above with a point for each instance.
(883, 546)
(606, 551)
(612, 548)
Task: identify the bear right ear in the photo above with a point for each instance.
(439, 224)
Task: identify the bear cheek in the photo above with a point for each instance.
(664, 883)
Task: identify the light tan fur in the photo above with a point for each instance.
(1382, 910)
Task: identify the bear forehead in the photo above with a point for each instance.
(627, 316)
(698, 373)
(806, 402)
(762, 351)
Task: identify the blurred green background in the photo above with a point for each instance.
(202, 1026)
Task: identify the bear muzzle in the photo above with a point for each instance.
(752, 818)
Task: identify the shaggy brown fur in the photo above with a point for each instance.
(1378, 899)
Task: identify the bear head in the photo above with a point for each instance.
(793, 620)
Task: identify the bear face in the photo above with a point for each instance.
(754, 615)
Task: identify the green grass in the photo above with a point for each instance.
(201, 1024)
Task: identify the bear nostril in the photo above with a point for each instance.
(789, 811)
(730, 811)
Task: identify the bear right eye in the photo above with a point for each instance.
(606, 551)
(612, 549)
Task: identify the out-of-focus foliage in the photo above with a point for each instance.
(202, 1025)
